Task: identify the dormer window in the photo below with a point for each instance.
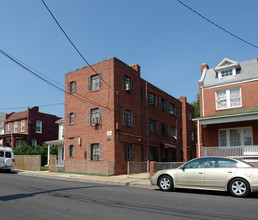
(225, 73)
(226, 68)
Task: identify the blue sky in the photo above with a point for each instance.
(167, 40)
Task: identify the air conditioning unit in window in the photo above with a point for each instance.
(95, 120)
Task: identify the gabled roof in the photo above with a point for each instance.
(226, 63)
(247, 70)
(16, 116)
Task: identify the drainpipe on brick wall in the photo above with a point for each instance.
(198, 137)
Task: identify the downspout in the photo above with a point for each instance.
(203, 113)
(198, 134)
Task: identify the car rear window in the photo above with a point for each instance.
(8, 154)
(1, 154)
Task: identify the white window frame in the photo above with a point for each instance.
(228, 100)
(220, 74)
(15, 127)
(9, 128)
(22, 125)
(242, 137)
(39, 125)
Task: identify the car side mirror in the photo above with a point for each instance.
(182, 167)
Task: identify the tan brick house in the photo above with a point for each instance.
(112, 114)
(228, 125)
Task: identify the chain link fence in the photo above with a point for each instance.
(167, 165)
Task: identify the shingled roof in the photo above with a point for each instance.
(16, 116)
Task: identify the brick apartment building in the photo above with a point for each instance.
(228, 125)
(30, 126)
(112, 114)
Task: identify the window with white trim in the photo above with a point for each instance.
(9, 128)
(22, 125)
(34, 143)
(236, 137)
(15, 126)
(229, 98)
(39, 127)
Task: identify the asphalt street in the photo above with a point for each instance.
(26, 197)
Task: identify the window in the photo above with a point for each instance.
(229, 98)
(34, 143)
(198, 163)
(172, 132)
(9, 128)
(39, 127)
(163, 128)
(94, 116)
(95, 82)
(226, 73)
(190, 115)
(153, 154)
(22, 125)
(8, 154)
(128, 118)
(1, 154)
(95, 151)
(222, 163)
(129, 151)
(18, 143)
(152, 99)
(235, 137)
(71, 151)
(171, 109)
(71, 118)
(179, 112)
(128, 84)
(152, 127)
(15, 126)
(163, 104)
(192, 136)
(71, 87)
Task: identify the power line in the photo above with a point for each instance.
(77, 50)
(53, 85)
(223, 29)
(37, 105)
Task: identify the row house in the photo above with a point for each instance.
(30, 126)
(113, 115)
(228, 123)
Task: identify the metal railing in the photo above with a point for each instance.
(239, 151)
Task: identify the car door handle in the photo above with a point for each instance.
(229, 171)
(200, 172)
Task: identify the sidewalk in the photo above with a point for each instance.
(136, 180)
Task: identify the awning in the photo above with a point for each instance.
(166, 146)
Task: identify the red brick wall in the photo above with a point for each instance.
(114, 100)
(248, 92)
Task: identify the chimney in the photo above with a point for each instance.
(136, 67)
(203, 67)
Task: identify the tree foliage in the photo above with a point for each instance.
(196, 105)
(26, 149)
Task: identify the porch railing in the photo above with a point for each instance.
(239, 151)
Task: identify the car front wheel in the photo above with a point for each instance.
(165, 183)
(239, 187)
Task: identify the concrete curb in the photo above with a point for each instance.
(113, 180)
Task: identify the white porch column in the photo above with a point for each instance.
(198, 134)
(48, 154)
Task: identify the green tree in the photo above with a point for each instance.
(196, 105)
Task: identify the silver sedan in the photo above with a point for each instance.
(210, 173)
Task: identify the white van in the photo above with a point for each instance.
(6, 158)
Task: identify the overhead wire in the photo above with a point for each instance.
(77, 50)
(50, 83)
(24, 107)
(218, 26)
